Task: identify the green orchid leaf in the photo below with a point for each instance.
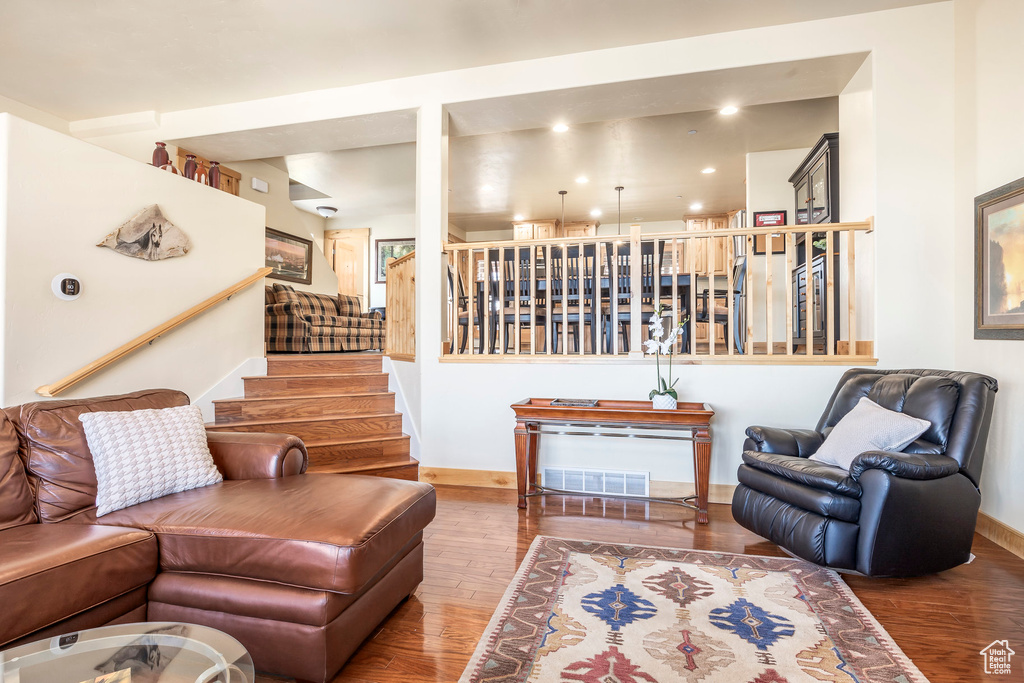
(672, 393)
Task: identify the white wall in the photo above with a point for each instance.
(23, 111)
(769, 189)
(66, 196)
(465, 420)
(282, 215)
(990, 96)
(387, 227)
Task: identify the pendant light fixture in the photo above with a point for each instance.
(563, 193)
(619, 189)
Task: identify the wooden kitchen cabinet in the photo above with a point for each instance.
(553, 229)
(718, 244)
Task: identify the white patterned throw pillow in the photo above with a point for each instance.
(868, 427)
(140, 455)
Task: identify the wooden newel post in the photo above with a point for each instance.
(702, 470)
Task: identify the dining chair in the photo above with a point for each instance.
(619, 275)
(517, 296)
(720, 305)
(572, 293)
(457, 294)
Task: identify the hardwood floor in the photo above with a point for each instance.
(478, 539)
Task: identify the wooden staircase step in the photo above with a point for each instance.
(358, 447)
(315, 385)
(314, 430)
(251, 409)
(318, 364)
(398, 468)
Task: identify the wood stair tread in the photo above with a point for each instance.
(318, 375)
(342, 441)
(300, 420)
(355, 468)
(253, 399)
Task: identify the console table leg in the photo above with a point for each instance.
(522, 461)
(702, 470)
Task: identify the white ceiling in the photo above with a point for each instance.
(81, 59)
(654, 158)
(370, 181)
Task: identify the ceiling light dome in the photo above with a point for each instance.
(326, 211)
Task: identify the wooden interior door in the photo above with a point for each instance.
(348, 252)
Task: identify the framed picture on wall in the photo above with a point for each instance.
(768, 219)
(291, 257)
(388, 250)
(999, 263)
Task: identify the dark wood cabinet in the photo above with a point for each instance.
(816, 191)
(816, 183)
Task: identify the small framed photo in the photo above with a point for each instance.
(291, 257)
(388, 250)
(768, 219)
(999, 263)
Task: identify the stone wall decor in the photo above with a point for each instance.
(150, 236)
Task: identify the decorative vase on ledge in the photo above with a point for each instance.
(664, 402)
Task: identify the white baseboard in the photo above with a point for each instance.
(231, 386)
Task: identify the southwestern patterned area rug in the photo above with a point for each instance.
(612, 613)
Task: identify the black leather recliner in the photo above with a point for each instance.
(892, 514)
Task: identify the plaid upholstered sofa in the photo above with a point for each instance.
(306, 322)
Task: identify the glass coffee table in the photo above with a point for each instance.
(130, 653)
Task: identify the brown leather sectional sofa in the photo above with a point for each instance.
(300, 568)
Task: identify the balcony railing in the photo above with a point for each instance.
(590, 298)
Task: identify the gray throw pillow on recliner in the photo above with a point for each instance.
(868, 427)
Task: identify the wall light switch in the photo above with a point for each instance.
(260, 185)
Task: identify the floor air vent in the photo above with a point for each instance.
(598, 481)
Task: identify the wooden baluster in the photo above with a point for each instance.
(730, 334)
(809, 275)
(599, 250)
(710, 310)
(471, 321)
(517, 301)
(749, 346)
(830, 332)
(613, 298)
(532, 255)
(548, 324)
(485, 297)
(499, 304)
(636, 317)
(851, 290)
(790, 248)
(564, 278)
(691, 252)
(674, 272)
(770, 291)
(581, 272)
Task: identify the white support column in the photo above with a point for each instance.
(431, 232)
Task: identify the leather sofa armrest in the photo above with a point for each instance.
(905, 465)
(799, 442)
(255, 455)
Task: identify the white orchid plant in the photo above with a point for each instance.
(655, 345)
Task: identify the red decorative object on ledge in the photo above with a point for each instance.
(190, 167)
(213, 180)
(160, 156)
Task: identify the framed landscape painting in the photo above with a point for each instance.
(291, 257)
(391, 249)
(999, 263)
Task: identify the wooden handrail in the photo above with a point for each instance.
(162, 329)
(865, 226)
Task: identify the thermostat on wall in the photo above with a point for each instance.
(260, 185)
(66, 286)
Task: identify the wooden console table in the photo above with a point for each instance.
(536, 416)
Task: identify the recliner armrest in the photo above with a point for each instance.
(905, 465)
(256, 455)
(799, 442)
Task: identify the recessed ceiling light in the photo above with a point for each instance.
(595, 212)
(582, 179)
(517, 217)
(486, 188)
(707, 170)
(728, 110)
(560, 128)
(679, 196)
(692, 131)
(696, 206)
